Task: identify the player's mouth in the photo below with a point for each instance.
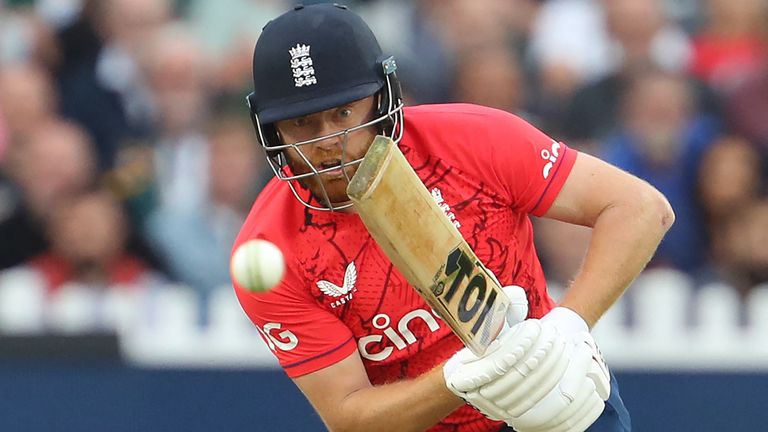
(331, 168)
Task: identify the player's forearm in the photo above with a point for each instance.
(624, 238)
(412, 405)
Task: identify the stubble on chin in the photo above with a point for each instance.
(336, 188)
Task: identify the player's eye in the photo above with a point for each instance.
(345, 112)
(300, 121)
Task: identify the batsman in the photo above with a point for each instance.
(360, 341)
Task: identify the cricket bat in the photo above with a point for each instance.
(425, 246)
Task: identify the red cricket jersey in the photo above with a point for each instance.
(488, 170)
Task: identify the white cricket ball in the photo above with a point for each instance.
(257, 265)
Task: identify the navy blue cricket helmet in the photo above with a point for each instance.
(313, 58)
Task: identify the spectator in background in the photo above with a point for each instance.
(729, 182)
(569, 42)
(732, 44)
(27, 99)
(196, 242)
(641, 37)
(169, 169)
(465, 28)
(177, 73)
(226, 30)
(76, 278)
(25, 37)
(490, 76)
(641, 33)
(107, 93)
(428, 36)
(79, 39)
(741, 248)
(746, 109)
(729, 178)
(238, 171)
(87, 234)
(569, 47)
(222, 25)
(410, 31)
(661, 138)
(469, 25)
(55, 162)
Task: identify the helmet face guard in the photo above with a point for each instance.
(388, 119)
(311, 59)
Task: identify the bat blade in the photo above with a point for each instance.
(425, 246)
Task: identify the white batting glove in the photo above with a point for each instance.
(517, 312)
(538, 376)
(465, 359)
(573, 325)
(579, 397)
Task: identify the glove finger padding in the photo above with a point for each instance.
(485, 406)
(518, 304)
(572, 388)
(580, 411)
(568, 379)
(584, 418)
(575, 376)
(586, 384)
(520, 401)
(513, 345)
(571, 420)
(533, 377)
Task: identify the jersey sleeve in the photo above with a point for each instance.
(511, 157)
(531, 167)
(303, 336)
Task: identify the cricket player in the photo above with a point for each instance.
(360, 343)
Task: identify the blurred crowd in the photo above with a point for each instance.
(128, 162)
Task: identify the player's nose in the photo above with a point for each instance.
(331, 142)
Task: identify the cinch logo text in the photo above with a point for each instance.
(399, 335)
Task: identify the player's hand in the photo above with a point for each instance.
(516, 313)
(579, 398)
(542, 375)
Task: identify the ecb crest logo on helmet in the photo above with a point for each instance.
(301, 63)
